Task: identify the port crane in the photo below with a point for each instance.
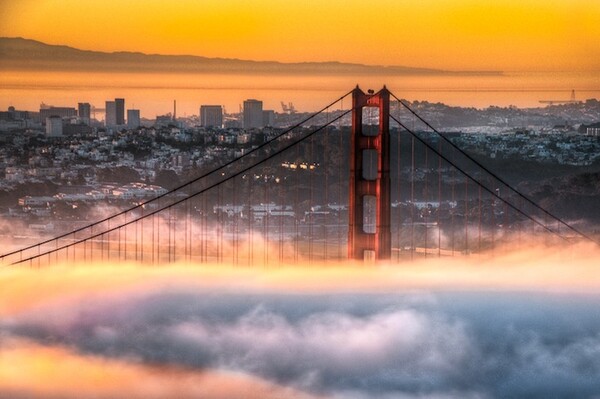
(288, 108)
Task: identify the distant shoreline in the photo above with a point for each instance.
(31, 55)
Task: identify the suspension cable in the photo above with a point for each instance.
(224, 180)
(176, 189)
(494, 175)
(472, 178)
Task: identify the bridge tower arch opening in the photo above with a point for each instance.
(369, 206)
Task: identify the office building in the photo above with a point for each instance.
(211, 116)
(84, 112)
(133, 118)
(111, 114)
(63, 112)
(115, 113)
(54, 126)
(253, 114)
(120, 110)
(268, 117)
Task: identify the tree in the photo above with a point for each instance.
(167, 178)
(120, 174)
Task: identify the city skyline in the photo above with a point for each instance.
(541, 50)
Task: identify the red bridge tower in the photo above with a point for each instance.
(369, 234)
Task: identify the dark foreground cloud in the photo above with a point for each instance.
(446, 345)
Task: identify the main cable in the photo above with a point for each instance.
(226, 179)
(494, 175)
(217, 169)
(466, 174)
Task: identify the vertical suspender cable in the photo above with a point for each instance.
(297, 210)
(439, 207)
(266, 209)
(108, 242)
(466, 221)
(479, 220)
(398, 193)
(251, 221)
(311, 202)
(454, 204)
(426, 195)
(142, 242)
(412, 199)
(339, 183)
(325, 168)
(125, 238)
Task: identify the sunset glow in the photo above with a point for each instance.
(43, 371)
(455, 35)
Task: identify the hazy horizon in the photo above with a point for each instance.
(34, 73)
(153, 93)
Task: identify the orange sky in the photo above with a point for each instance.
(504, 35)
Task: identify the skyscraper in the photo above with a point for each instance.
(133, 118)
(111, 114)
(253, 114)
(115, 112)
(120, 110)
(211, 115)
(84, 112)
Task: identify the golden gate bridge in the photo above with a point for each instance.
(389, 187)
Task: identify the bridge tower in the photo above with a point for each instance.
(369, 233)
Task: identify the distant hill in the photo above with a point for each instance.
(26, 54)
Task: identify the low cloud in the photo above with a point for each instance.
(347, 345)
(519, 324)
